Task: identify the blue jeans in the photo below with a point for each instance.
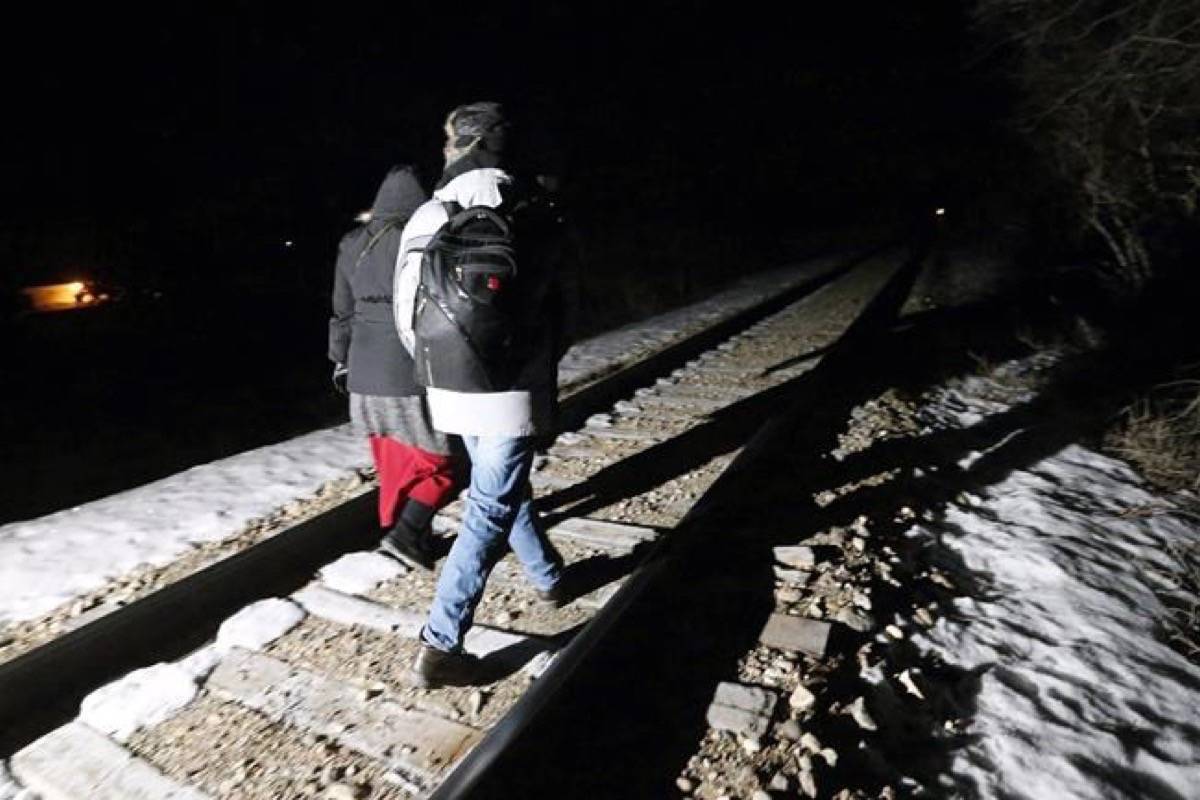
(499, 506)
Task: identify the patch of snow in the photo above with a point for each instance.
(1078, 695)
(357, 573)
(49, 561)
(200, 662)
(9, 788)
(141, 699)
(258, 624)
(14, 791)
(540, 663)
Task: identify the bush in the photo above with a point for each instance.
(1160, 435)
(1107, 93)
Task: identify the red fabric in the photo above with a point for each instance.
(406, 471)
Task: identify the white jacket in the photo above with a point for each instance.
(513, 413)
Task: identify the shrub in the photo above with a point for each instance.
(1160, 435)
(1107, 93)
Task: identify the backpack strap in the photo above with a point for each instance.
(466, 215)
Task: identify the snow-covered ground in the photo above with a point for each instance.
(1075, 693)
(48, 562)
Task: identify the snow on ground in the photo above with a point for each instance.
(1078, 696)
(258, 624)
(358, 573)
(51, 560)
(143, 698)
(9, 790)
(48, 562)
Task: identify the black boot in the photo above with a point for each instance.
(417, 515)
(410, 539)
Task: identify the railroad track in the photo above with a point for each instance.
(303, 689)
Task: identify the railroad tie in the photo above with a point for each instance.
(75, 762)
(415, 743)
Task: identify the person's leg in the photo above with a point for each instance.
(405, 468)
(390, 469)
(430, 486)
(499, 482)
(528, 540)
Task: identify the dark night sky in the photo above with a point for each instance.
(189, 136)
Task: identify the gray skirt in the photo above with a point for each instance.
(403, 418)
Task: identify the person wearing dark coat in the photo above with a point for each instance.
(414, 462)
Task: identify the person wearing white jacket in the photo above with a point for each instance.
(497, 427)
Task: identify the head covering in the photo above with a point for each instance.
(476, 127)
(399, 194)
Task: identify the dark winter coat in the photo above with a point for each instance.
(362, 330)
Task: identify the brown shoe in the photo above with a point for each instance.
(435, 668)
(556, 596)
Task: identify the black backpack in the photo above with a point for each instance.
(482, 281)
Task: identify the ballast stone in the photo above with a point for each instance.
(801, 698)
(792, 577)
(799, 557)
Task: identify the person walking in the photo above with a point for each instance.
(498, 427)
(414, 461)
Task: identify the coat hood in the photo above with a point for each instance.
(399, 195)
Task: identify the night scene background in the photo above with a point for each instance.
(199, 164)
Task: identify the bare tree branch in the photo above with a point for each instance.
(1110, 92)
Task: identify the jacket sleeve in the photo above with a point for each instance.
(404, 295)
(407, 275)
(342, 302)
